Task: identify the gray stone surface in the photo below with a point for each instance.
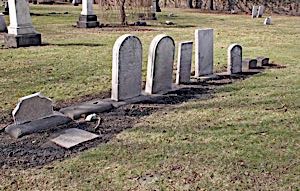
(234, 59)
(94, 106)
(254, 11)
(127, 68)
(204, 52)
(262, 61)
(184, 62)
(260, 11)
(160, 65)
(37, 126)
(32, 107)
(268, 21)
(3, 27)
(72, 137)
(24, 40)
(249, 63)
(252, 63)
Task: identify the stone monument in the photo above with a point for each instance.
(3, 27)
(20, 31)
(184, 62)
(234, 59)
(87, 18)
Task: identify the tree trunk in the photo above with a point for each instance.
(157, 6)
(198, 4)
(189, 3)
(122, 12)
(211, 5)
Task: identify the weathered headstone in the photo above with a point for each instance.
(160, 64)
(184, 62)
(268, 21)
(204, 52)
(87, 18)
(234, 59)
(249, 63)
(127, 68)
(262, 61)
(72, 137)
(254, 11)
(32, 107)
(260, 11)
(3, 27)
(20, 31)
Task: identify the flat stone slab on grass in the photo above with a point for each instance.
(72, 137)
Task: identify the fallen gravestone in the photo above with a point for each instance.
(204, 52)
(234, 59)
(34, 113)
(160, 65)
(87, 18)
(72, 137)
(126, 68)
(254, 11)
(20, 31)
(184, 62)
(3, 27)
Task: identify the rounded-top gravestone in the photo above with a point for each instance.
(234, 59)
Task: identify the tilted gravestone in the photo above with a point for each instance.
(20, 31)
(204, 52)
(254, 11)
(32, 107)
(87, 18)
(260, 11)
(160, 65)
(234, 59)
(3, 27)
(126, 68)
(184, 62)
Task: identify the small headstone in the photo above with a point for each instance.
(160, 64)
(32, 107)
(184, 62)
(260, 11)
(234, 59)
(204, 52)
(252, 63)
(254, 11)
(3, 27)
(249, 63)
(268, 21)
(72, 137)
(127, 68)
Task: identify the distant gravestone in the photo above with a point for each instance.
(204, 52)
(3, 27)
(234, 59)
(32, 107)
(262, 61)
(184, 62)
(20, 31)
(260, 11)
(160, 64)
(249, 63)
(268, 21)
(254, 11)
(87, 17)
(126, 68)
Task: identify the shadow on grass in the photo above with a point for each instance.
(74, 44)
(37, 149)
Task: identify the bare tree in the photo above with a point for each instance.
(122, 12)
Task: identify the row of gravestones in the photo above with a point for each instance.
(127, 63)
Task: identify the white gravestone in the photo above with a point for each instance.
(254, 11)
(204, 52)
(20, 31)
(32, 107)
(160, 65)
(2, 23)
(234, 59)
(87, 18)
(126, 68)
(260, 11)
(268, 21)
(184, 62)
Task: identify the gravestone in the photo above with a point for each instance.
(254, 11)
(32, 107)
(20, 31)
(260, 11)
(249, 63)
(204, 52)
(87, 18)
(262, 61)
(3, 27)
(234, 59)
(268, 21)
(184, 62)
(160, 65)
(126, 68)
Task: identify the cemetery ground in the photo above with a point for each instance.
(240, 133)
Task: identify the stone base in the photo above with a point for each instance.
(87, 21)
(15, 41)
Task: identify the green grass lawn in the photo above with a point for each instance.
(247, 137)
